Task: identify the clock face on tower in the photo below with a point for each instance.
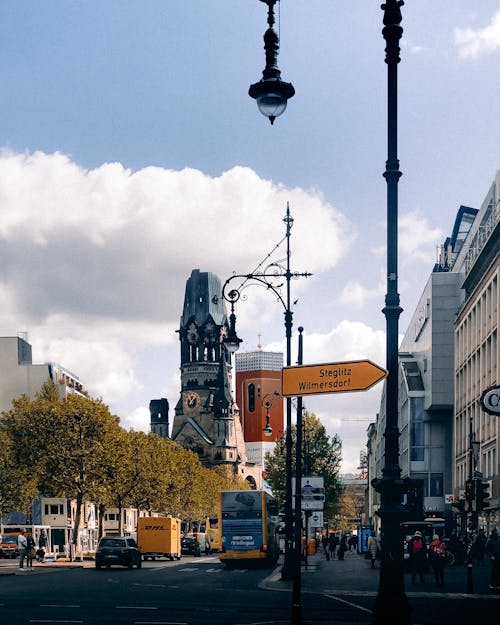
(191, 401)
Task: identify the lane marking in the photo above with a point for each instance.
(52, 621)
(353, 605)
(55, 605)
(136, 607)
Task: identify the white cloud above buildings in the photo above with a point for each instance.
(473, 43)
(94, 262)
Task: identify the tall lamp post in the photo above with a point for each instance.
(391, 604)
(267, 279)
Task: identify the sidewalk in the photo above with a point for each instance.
(11, 567)
(354, 576)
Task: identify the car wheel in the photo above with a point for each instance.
(130, 565)
(98, 566)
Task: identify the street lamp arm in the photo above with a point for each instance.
(260, 279)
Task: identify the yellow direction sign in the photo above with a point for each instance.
(334, 377)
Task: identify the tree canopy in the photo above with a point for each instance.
(75, 448)
(321, 456)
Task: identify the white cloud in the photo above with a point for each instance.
(355, 294)
(417, 240)
(472, 43)
(94, 262)
(138, 420)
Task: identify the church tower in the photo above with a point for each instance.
(206, 417)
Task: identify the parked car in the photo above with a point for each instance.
(190, 546)
(121, 550)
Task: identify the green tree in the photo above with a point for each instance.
(18, 484)
(321, 456)
(66, 443)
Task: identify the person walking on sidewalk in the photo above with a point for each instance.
(326, 546)
(418, 556)
(22, 544)
(332, 545)
(437, 558)
(372, 545)
(493, 550)
(342, 546)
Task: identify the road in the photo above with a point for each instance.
(200, 591)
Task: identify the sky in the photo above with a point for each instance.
(131, 153)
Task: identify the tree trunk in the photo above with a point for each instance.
(120, 521)
(102, 512)
(76, 528)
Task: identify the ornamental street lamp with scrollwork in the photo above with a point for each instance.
(267, 278)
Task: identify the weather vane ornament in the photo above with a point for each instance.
(271, 93)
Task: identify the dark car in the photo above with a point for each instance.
(121, 550)
(190, 546)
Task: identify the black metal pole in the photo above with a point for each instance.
(469, 588)
(391, 604)
(296, 595)
(287, 571)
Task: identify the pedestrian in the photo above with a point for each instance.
(493, 551)
(326, 544)
(30, 551)
(418, 556)
(332, 545)
(42, 546)
(372, 547)
(478, 546)
(437, 558)
(21, 547)
(342, 546)
(352, 542)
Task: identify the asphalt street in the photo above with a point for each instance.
(200, 591)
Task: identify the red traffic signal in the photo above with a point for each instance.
(469, 490)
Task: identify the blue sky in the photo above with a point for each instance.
(131, 154)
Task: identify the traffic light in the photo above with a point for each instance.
(482, 494)
(469, 491)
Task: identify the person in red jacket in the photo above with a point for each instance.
(437, 558)
(418, 556)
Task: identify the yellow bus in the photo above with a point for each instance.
(213, 533)
(248, 521)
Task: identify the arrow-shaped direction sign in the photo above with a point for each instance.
(334, 377)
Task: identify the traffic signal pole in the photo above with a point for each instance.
(470, 496)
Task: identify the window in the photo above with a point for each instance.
(251, 397)
(53, 508)
(417, 438)
(436, 485)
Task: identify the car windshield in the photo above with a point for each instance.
(112, 542)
